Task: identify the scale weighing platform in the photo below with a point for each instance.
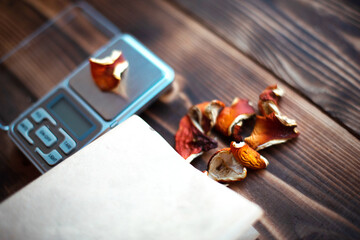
(76, 111)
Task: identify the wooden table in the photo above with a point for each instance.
(226, 49)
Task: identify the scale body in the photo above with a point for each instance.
(76, 111)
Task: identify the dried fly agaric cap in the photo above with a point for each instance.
(190, 142)
(270, 130)
(233, 116)
(107, 71)
(223, 167)
(204, 115)
(269, 98)
(247, 156)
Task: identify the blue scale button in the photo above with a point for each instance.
(51, 158)
(24, 128)
(68, 144)
(46, 136)
(40, 114)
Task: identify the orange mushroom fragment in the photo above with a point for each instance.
(247, 156)
(190, 142)
(204, 115)
(107, 72)
(223, 167)
(269, 98)
(232, 117)
(270, 130)
(236, 132)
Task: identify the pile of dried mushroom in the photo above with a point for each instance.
(230, 164)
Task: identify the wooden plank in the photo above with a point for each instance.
(12, 91)
(17, 22)
(311, 186)
(312, 45)
(303, 170)
(78, 28)
(48, 8)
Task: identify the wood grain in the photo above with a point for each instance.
(42, 68)
(209, 68)
(310, 189)
(46, 61)
(312, 45)
(18, 21)
(12, 91)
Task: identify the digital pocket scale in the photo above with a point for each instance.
(76, 111)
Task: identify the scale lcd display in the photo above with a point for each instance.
(71, 117)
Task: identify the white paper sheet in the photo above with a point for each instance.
(128, 184)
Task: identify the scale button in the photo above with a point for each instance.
(40, 114)
(46, 136)
(68, 144)
(24, 128)
(51, 158)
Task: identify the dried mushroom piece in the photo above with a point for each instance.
(224, 168)
(247, 156)
(269, 98)
(190, 142)
(270, 130)
(231, 118)
(204, 115)
(236, 132)
(107, 71)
